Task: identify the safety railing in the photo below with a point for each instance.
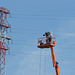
(44, 40)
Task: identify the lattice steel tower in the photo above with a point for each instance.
(4, 25)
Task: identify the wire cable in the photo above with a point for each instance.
(40, 64)
(45, 64)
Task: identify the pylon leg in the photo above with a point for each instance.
(2, 62)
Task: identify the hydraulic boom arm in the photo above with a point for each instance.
(55, 64)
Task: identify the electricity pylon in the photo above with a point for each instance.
(4, 25)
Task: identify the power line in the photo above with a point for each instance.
(45, 64)
(44, 55)
(48, 17)
(40, 64)
(44, 15)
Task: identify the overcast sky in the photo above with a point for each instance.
(29, 20)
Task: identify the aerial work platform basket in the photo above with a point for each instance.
(42, 43)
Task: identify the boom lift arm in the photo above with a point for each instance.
(50, 45)
(55, 64)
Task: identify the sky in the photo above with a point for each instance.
(29, 20)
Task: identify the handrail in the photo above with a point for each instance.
(44, 40)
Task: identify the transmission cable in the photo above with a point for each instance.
(40, 64)
(45, 64)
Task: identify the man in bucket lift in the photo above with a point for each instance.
(48, 37)
(40, 41)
